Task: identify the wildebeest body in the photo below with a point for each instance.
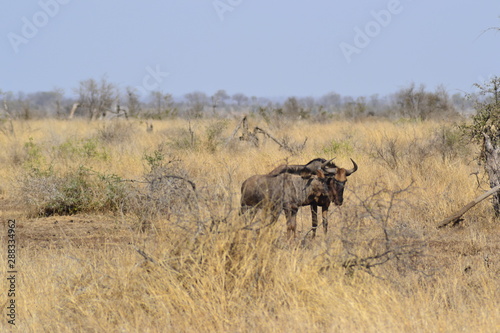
(284, 191)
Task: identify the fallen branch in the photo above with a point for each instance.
(282, 143)
(260, 130)
(455, 217)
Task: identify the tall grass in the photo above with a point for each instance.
(170, 258)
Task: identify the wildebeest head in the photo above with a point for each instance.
(336, 179)
(334, 176)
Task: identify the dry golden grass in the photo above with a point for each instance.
(86, 273)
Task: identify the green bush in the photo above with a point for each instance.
(338, 147)
(79, 190)
(486, 121)
(156, 159)
(34, 158)
(82, 148)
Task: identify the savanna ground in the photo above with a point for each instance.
(107, 240)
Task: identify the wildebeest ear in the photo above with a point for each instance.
(331, 171)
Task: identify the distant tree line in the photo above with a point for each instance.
(97, 99)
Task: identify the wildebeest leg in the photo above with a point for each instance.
(249, 211)
(314, 216)
(275, 214)
(291, 221)
(324, 214)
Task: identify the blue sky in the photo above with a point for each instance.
(263, 48)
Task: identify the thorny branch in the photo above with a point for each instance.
(371, 237)
(159, 179)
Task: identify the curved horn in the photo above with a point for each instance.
(326, 163)
(330, 171)
(353, 170)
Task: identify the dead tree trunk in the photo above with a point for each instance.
(246, 134)
(492, 166)
(73, 109)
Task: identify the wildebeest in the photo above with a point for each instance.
(287, 187)
(284, 191)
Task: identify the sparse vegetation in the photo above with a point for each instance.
(121, 229)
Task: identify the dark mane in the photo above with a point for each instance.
(318, 159)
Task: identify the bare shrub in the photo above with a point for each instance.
(166, 193)
(394, 153)
(183, 139)
(217, 200)
(416, 103)
(447, 143)
(169, 193)
(7, 127)
(376, 235)
(96, 98)
(116, 131)
(15, 154)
